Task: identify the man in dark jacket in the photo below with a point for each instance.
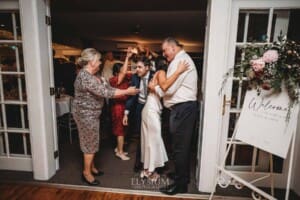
(134, 104)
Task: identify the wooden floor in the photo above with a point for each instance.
(42, 192)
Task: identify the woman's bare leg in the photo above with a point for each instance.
(120, 140)
(88, 159)
(93, 167)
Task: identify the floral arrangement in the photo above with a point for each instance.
(272, 67)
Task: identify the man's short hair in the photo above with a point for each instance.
(172, 40)
(145, 60)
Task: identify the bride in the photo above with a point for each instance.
(153, 152)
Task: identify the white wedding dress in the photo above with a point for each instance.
(153, 152)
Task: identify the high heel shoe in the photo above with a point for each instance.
(93, 183)
(144, 174)
(125, 153)
(99, 173)
(154, 176)
(122, 156)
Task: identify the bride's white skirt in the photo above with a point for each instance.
(153, 152)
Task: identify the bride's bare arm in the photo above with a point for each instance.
(164, 82)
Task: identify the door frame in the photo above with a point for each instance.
(36, 60)
(222, 18)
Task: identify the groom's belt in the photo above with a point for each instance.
(179, 104)
(141, 101)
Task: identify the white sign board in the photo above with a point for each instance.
(263, 124)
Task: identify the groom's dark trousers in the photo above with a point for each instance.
(182, 122)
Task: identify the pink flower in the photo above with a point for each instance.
(257, 64)
(270, 56)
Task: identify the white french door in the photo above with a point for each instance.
(259, 23)
(28, 139)
(15, 147)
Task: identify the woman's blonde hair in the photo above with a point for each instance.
(87, 55)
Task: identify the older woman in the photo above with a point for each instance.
(90, 92)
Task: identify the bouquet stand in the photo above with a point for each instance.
(239, 182)
(268, 113)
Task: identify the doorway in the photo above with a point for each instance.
(87, 42)
(145, 25)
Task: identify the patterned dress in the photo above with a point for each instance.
(118, 105)
(86, 108)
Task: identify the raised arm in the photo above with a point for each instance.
(124, 68)
(164, 82)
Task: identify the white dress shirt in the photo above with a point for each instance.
(143, 88)
(143, 93)
(185, 87)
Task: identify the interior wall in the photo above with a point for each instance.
(9, 4)
(107, 45)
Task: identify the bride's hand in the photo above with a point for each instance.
(152, 84)
(182, 66)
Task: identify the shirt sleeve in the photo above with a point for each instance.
(175, 86)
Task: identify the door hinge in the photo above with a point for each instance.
(48, 20)
(52, 91)
(56, 154)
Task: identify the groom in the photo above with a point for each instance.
(181, 99)
(135, 104)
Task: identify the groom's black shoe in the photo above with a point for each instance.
(171, 175)
(93, 183)
(173, 189)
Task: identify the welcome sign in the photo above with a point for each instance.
(263, 123)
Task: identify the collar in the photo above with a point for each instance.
(146, 76)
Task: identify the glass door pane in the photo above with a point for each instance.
(14, 125)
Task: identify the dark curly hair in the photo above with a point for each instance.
(116, 68)
(161, 63)
(145, 60)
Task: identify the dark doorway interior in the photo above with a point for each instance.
(104, 27)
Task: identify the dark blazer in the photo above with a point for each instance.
(132, 100)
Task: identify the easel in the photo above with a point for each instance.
(257, 193)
